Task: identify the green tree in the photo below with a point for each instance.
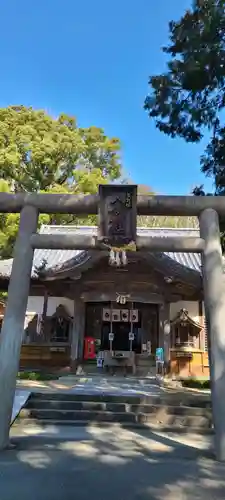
(163, 221)
(188, 99)
(41, 154)
(38, 152)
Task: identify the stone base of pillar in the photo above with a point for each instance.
(74, 365)
(166, 368)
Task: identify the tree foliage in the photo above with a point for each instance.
(41, 154)
(38, 152)
(166, 221)
(188, 99)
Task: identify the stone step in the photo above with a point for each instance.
(108, 416)
(152, 427)
(43, 404)
(168, 398)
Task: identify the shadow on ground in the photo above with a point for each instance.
(108, 463)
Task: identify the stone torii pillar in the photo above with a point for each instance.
(13, 323)
(214, 297)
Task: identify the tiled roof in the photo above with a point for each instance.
(60, 260)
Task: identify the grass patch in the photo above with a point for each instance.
(196, 383)
(37, 376)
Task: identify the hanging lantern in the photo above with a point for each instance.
(106, 315)
(134, 316)
(124, 315)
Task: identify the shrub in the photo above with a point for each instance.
(38, 376)
(196, 383)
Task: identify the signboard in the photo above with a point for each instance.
(159, 354)
(131, 336)
(117, 214)
(111, 336)
(99, 363)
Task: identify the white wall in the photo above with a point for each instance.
(35, 305)
(191, 307)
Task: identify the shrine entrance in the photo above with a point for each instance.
(135, 327)
(120, 340)
(118, 207)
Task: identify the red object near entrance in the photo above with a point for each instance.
(89, 348)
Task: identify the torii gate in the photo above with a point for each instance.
(117, 228)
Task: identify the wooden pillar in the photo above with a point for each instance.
(80, 329)
(161, 326)
(44, 315)
(201, 322)
(13, 324)
(214, 300)
(77, 337)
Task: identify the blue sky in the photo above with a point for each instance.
(92, 59)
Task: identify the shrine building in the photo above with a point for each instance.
(84, 304)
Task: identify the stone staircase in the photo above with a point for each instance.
(166, 412)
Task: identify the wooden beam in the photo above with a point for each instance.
(44, 312)
(97, 279)
(88, 204)
(87, 242)
(135, 296)
(186, 294)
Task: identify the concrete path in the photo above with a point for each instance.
(113, 463)
(104, 385)
(95, 385)
(111, 385)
